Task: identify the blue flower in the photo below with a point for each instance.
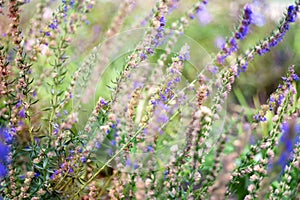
(128, 162)
(162, 21)
(22, 113)
(3, 171)
(143, 56)
(6, 136)
(295, 77)
(113, 142)
(4, 151)
(83, 159)
(150, 148)
(289, 137)
(5, 139)
(135, 166)
(291, 14)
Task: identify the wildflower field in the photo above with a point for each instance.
(149, 99)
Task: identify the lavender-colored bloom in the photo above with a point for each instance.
(162, 21)
(83, 159)
(72, 3)
(213, 69)
(135, 166)
(34, 94)
(98, 145)
(71, 170)
(291, 14)
(53, 26)
(4, 151)
(150, 148)
(191, 16)
(278, 37)
(233, 44)
(62, 166)
(110, 152)
(295, 77)
(103, 102)
(21, 123)
(22, 113)
(143, 56)
(289, 137)
(56, 129)
(163, 97)
(18, 105)
(153, 102)
(3, 171)
(6, 136)
(260, 118)
(220, 42)
(244, 28)
(113, 142)
(280, 98)
(221, 59)
(128, 163)
(150, 51)
(58, 114)
(52, 176)
(204, 17)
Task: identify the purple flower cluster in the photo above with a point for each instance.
(275, 100)
(260, 118)
(160, 32)
(231, 45)
(197, 10)
(290, 136)
(243, 30)
(5, 140)
(278, 37)
(54, 24)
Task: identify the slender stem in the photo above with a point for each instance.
(107, 162)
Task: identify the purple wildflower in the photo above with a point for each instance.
(72, 3)
(22, 113)
(260, 118)
(103, 102)
(213, 69)
(150, 51)
(295, 77)
(6, 138)
(278, 37)
(289, 137)
(56, 129)
(291, 14)
(135, 166)
(83, 159)
(150, 148)
(71, 170)
(128, 163)
(4, 151)
(244, 28)
(18, 105)
(162, 21)
(97, 145)
(113, 142)
(280, 98)
(3, 171)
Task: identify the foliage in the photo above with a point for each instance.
(149, 105)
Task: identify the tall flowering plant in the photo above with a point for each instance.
(113, 100)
